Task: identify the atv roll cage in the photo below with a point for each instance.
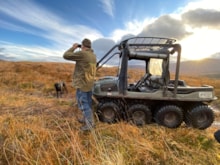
(144, 48)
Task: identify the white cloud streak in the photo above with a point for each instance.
(20, 52)
(49, 25)
(201, 4)
(42, 23)
(108, 7)
(133, 27)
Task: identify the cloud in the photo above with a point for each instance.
(10, 51)
(4, 56)
(132, 28)
(101, 46)
(31, 18)
(13, 27)
(166, 26)
(202, 17)
(216, 55)
(108, 7)
(127, 36)
(200, 4)
(41, 22)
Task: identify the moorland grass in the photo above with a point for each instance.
(38, 128)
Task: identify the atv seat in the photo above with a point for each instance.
(156, 81)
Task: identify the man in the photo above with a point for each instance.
(83, 79)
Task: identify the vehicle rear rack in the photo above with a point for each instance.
(148, 43)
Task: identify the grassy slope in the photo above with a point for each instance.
(37, 128)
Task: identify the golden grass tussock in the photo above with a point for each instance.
(38, 128)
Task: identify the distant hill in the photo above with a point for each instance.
(201, 67)
(206, 67)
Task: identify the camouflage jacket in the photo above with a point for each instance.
(85, 68)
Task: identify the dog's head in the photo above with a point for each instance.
(60, 86)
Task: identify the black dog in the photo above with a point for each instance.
(217, 135)
(60, 88)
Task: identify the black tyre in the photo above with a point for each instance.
(108, 112)
(169, 116)
(200, 117)
(217, 135)
(139, 114)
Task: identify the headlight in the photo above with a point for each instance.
(205, 95)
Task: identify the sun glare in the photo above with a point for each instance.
(202, 44)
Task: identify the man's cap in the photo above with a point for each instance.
(87, 43)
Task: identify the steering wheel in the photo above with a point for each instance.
(142, 80)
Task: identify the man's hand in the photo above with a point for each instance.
(75, 45)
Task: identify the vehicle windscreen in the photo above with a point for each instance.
(155, 66)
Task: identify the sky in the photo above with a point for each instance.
(39, 30)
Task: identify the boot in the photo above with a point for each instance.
(88, 126)
(82, 121)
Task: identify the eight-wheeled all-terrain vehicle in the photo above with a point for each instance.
(155, 97)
